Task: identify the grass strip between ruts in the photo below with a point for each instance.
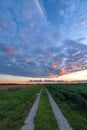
(45, 119)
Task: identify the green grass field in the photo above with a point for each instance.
(72, 100)
(15, 105)
(45, 119)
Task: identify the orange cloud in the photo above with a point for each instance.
(78, 67)
(63, 71)
(54, 65)
(51, 75)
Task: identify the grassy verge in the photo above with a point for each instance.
(76, 118)
(15, 105)
(45, 119)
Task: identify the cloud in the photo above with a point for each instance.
(9, 51)
(36, 62)
(54, 65)
(3, 25)
(77, 68)
(84, 23)
(82, 40)
(27, 14)
(31, 45)
(39, 7)
(63, 71)
(25, 58)
(51, 75)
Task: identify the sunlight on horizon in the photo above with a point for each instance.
(43, 40)
(75, 76)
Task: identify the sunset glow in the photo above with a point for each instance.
(43, 40)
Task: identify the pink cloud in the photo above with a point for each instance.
(3, 25)
(10, 51)
(77, 68)
(50, 53)
(27, 14)
(25, 58)
(54, 65)
(84, 23)
(51, 75)
(31, 26)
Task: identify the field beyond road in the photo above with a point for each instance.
(72, 100)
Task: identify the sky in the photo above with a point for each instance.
(43, 39)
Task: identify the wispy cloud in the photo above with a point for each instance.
(39, 7)
(84, 23)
